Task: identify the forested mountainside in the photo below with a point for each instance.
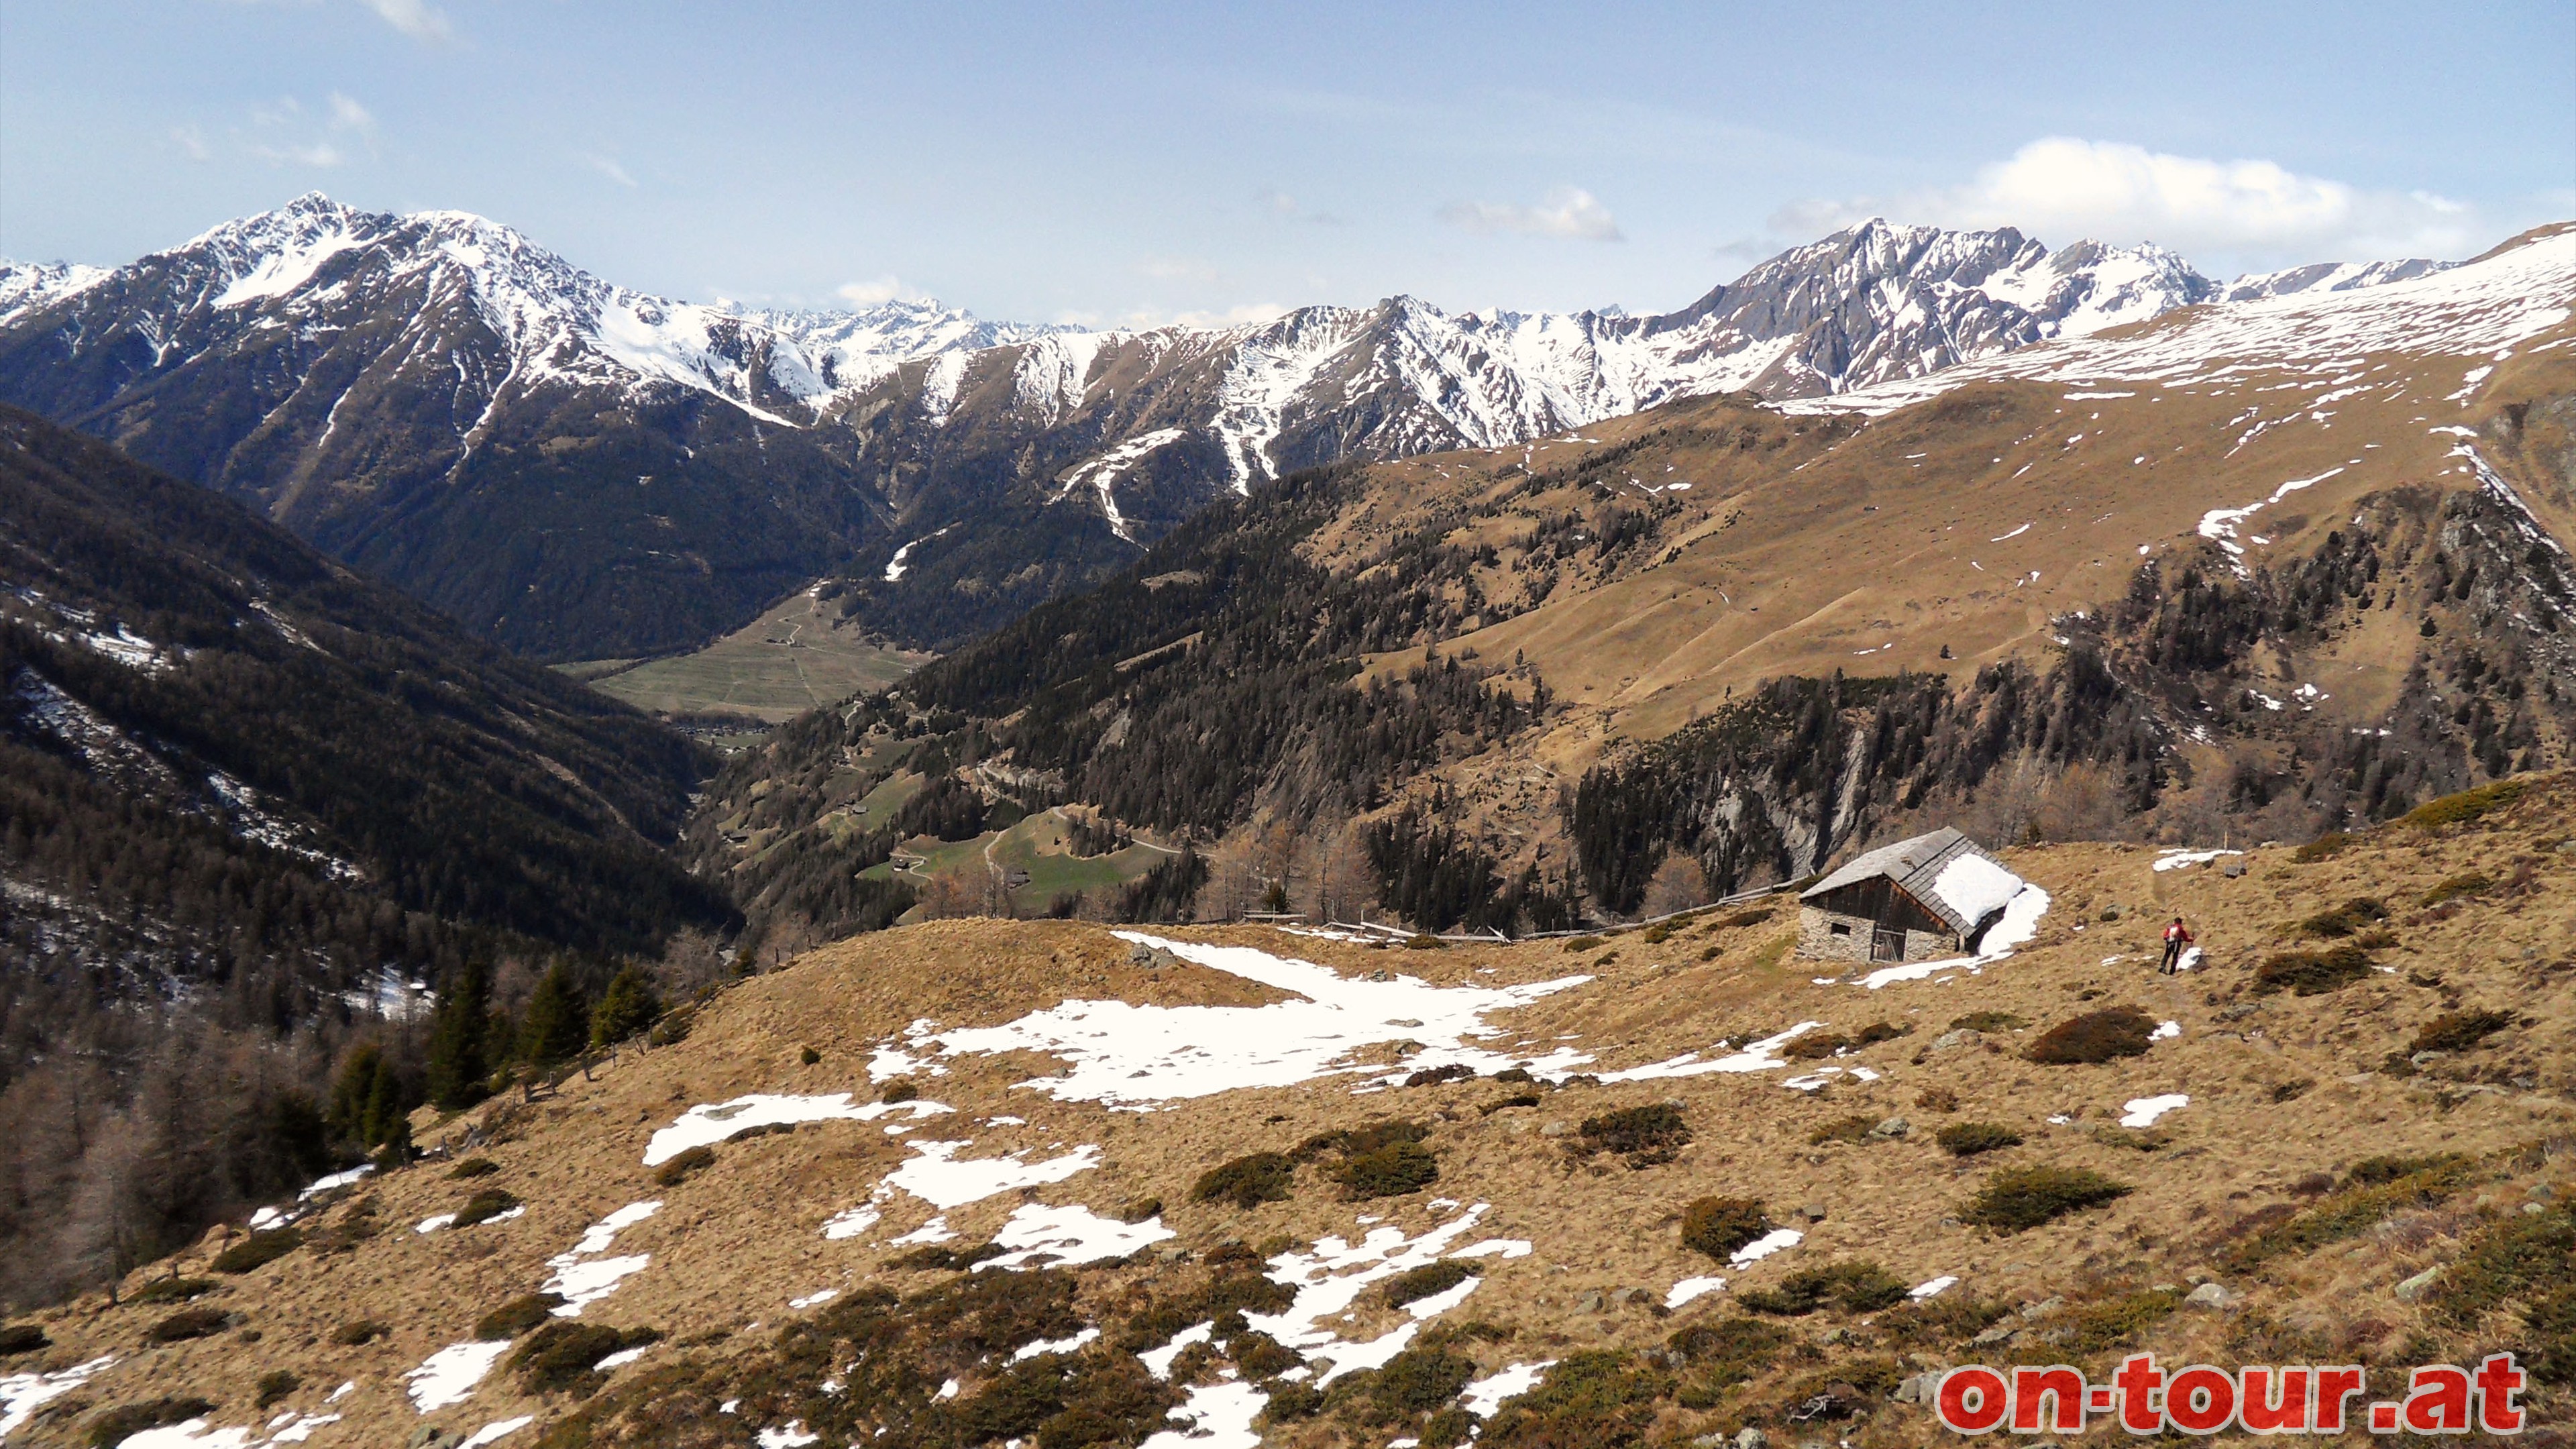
(253, 807)
(577, 470)
(2209, 577)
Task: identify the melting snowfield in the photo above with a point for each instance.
(1125, 1055)
(705, 1126)
(22, 1394)
(449, 1375)
(582, 1276)
(2143, 1111)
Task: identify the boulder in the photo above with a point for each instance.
(2208, 1295)
(2416, 1287)
(1892, 1127)
(1952, 1040)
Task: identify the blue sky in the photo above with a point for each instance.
(1144, 163)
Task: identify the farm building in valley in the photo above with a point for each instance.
(1917, 900)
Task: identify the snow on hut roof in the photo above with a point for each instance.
(1950, 874)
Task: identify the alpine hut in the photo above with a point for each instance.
(1917, 900)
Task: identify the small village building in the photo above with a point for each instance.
(1917, 900)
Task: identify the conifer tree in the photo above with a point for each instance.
(459, 1064)
(386, 1112)
(558, 1021)
(350, 1094)
(627, 1007)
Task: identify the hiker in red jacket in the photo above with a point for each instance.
(2177, 936)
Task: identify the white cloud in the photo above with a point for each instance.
(881, 290)
(1184, 269)
(1572, 213)
(416, 18)
(2062, 188)
(606, 166)
(191, 143)
(320, 153)
(348, 115)
(1245, 315)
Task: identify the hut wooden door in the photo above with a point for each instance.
(1887, 944)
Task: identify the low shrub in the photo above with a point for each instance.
(1941, 1321)
(2132, 1139)
(2379, 1171)
(172, 1290)
(932, 1258)
(2312, 973)
(1447, 1428)
(1967, 1139)
(1879, 1031)
(1524, 1099)
(1427, 1280)
(1722, 1355)
(900, 1090)
(484, 1206)
(1718, 1226)
(1258, 1356)
(1741, 919)
(2324, 847)
(275, 1385)
(1416, 1381)
(2017, 1199)
(18, 1338)
(1388, 1171)
(2471, 883)
(189, 1323)
(2466, 806)
(2110, 1322)
(2096, 1036)
(1582, 943)
(564, 1355)
(1989, 1021)
(473, 1167)
(2458, 1031)
(1382, 1159)
(1433, 1076)
(1288, 1404)
(1937, 1099)
(808, 1056)
(1597, 1398)
(258, 1250)
(1514, 1074)
(2529, 1259)
(1815, 1046)
(1645, 1135)
(1143, 1209)
(363, 1331)
(680, 1167)
(127, 1420)
(1854, 1128)
(2353, 915)
(1857, 1286)
(1247, 1181)
(2372, 1192)
(1425, 941)
(527, 1311)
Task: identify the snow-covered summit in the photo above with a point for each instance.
(315, 262)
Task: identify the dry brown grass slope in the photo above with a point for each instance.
(2251, 1185)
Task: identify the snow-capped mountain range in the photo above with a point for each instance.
(579, 469)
